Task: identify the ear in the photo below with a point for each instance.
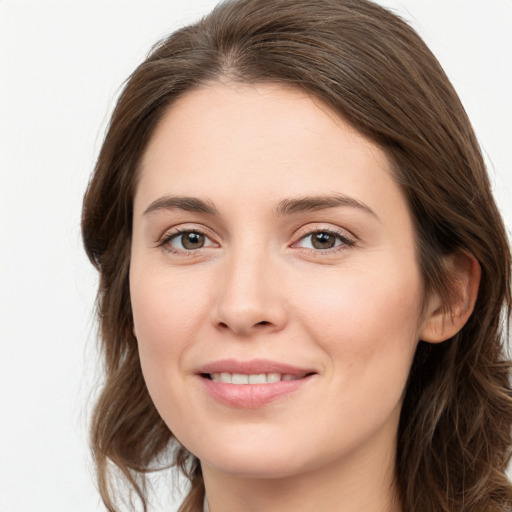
(444, 319)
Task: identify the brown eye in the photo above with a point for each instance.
(185, 241)
(192, 240)
(324, 240)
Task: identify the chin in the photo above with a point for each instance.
(260, 467)
(251, 459)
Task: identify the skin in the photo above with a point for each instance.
(259, 288)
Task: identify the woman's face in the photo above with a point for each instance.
(274, 283)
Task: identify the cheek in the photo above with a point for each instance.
(165, 312)
(367, 321)
(367, 326)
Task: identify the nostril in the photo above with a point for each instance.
(242, 327)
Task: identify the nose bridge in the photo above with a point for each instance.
(248, 298)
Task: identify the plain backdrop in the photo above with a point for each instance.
(61, 67)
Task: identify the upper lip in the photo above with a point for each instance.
(253, 367)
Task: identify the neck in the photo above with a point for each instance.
(362, 482)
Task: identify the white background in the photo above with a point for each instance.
(61, 67)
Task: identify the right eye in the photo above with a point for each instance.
(187, 240)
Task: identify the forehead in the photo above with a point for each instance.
(265, 141)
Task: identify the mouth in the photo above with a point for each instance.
(253, 378)
(254, 371)
(252, 384)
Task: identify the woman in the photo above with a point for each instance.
(303, 273)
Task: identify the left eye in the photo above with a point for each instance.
(323, 240)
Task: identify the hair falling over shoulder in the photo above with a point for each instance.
(372, 69)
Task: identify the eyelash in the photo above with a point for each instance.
(176, 234)
(166, 240)
(346, 242)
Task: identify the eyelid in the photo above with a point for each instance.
(347, 238)
(174, 232)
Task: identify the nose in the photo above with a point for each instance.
(250, 297)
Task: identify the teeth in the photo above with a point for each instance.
(259, 378)
(238, 378)
(225, 377)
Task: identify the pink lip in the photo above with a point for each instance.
(252, 367)
(252, 396)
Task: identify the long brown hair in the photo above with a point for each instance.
(373, 70)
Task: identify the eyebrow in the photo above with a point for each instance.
(189, 204)
(289, 206)
(314, 203)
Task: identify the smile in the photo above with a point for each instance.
(252, 384)
(256, 378)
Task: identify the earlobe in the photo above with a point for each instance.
(444, 319)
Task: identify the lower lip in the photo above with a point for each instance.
(252, 396)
